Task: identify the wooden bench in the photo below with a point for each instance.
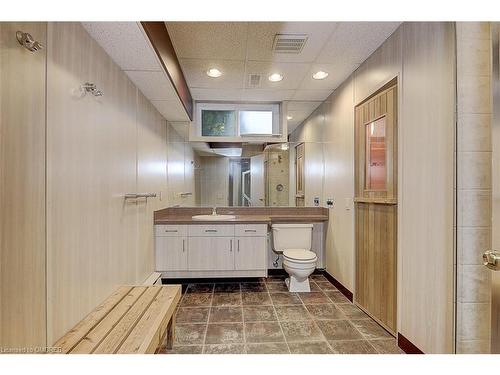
(134, 319)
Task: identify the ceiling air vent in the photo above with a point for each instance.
(254, 80)
(289, 43)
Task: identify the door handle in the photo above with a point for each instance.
(491, 259)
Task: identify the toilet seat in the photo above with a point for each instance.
(300, 255)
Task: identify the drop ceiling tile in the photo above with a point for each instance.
(266, 95)
(261, 37)
(209, 40)
(293, 73)
(125, 43)
(195, 71)
(355, 41)
(337, 73)
(171, 110)
(154, 85)
(303, 105)
(216, 94)
(318, 95)
(298, 116)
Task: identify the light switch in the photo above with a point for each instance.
(329, 203)
(348, 204)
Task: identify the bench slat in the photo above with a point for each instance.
(120, 332)
(103, 328)
(146, 335)
(69, 340)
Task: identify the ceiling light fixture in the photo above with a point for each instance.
(275, 77)
(289, 117)
(320, 75)
(214, 72)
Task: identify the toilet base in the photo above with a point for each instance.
(294, 285)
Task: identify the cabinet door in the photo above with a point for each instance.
(250, 253)
(211, 253)
(171, 254)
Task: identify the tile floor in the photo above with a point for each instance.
(262, 317)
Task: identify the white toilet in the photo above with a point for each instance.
(294, 242)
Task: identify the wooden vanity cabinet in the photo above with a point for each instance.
(212, 250)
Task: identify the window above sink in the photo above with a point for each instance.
(238, 122)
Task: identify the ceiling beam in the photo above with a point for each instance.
(164, 49)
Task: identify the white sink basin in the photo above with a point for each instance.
(213, 217)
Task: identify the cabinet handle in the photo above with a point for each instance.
(171, 231)
(250, 230)
(238, 246)
(183, 246)
(230, 246)
(210, 230)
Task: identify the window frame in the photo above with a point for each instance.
(275, 108)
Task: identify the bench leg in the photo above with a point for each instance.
(170, 333)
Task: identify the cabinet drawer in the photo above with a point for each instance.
(171, 230)
(211, 230)
(250, 230)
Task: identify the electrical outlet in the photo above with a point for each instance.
(329, 203)
(316, 201)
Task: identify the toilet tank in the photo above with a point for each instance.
(292, 236)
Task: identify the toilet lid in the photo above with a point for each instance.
(299, 254)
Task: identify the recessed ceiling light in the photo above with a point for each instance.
(289, 117)
(275, 77)
(320, 75)
(214, 72)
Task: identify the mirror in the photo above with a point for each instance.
(246, 175)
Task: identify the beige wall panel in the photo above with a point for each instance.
(175, 167)
(22, 188)
(151, 178)
(91, 164)
(425, 238)
(382, 66)
(339, 183)
(427, 186)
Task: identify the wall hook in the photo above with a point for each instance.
(91, 88)
(27, 41)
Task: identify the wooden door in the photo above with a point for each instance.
(376, 205)
(299, 175)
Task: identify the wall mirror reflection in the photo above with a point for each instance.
(221, 174)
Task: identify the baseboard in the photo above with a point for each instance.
(407, 346)
(282, 272)
(346, 292)
(276, 272)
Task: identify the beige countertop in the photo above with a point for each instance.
(250, 219)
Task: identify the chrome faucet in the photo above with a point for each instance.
(214, 211)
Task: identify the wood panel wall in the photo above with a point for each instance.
(22, 188)
(421, 55)
(98, 149)
(68, 237)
